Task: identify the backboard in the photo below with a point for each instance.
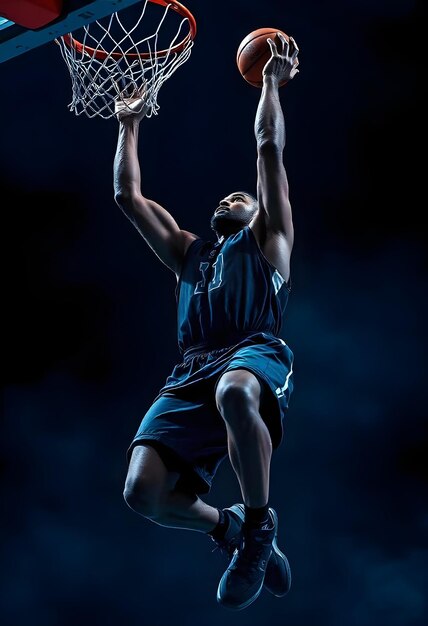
(47, 20)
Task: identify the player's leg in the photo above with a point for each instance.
(162, 481)
(249, 442)
(150, 490)
(250, 449)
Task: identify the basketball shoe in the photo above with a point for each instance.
(277, 578)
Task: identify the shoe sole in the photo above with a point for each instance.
(281, 555)
(234, 607)
(275, 548)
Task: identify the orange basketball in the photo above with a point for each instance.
(253, 54)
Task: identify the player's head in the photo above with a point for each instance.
(234, 212)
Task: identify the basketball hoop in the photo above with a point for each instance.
(115, 59)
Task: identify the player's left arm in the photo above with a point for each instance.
(272, 182)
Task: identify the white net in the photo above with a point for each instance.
(115, 59)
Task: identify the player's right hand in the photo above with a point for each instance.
(133, 108)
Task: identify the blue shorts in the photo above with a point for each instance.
(183, 422)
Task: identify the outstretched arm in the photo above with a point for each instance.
(153, 222)
(272, 183)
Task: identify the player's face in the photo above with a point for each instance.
(233, 213)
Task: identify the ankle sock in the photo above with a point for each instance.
(257, 517)
(219, 531)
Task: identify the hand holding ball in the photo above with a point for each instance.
(254, 52)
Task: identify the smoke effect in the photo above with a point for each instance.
(89, 332)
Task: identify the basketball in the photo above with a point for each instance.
(253, 54)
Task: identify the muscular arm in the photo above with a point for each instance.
(153, 222)
(272, 183)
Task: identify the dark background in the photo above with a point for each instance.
(89, 331)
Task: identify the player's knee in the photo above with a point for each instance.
(140, 497)
(235, 397)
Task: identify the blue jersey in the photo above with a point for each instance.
(227, 291)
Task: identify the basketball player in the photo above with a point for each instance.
(229, 393)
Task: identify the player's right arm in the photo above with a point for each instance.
(153, 222)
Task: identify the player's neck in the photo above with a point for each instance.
(226, 230)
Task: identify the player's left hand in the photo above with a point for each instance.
(283, 63)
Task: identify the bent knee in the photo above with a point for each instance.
(143, 498)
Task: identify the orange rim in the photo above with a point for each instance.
(101, 55)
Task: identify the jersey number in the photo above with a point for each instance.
(216, 280)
